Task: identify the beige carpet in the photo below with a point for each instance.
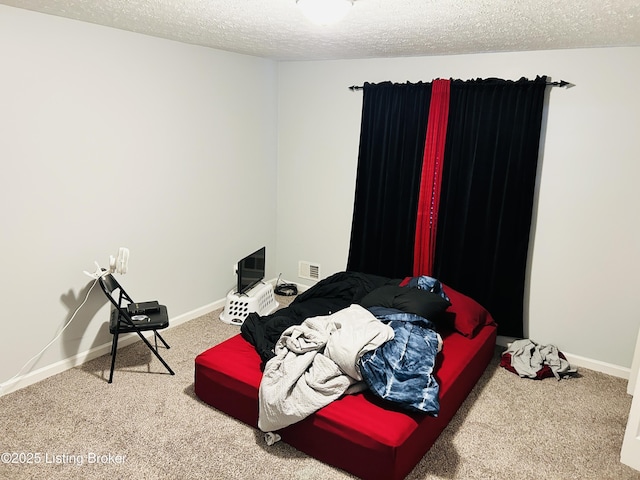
(150, 425)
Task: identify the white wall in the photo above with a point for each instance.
(583, 276)
(109, 139)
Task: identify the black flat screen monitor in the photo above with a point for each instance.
(251, 270)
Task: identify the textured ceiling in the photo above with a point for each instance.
(374, 28)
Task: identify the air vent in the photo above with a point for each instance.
(308, 270)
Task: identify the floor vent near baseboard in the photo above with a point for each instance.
(308, 270)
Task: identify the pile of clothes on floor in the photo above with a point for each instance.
(531, 360)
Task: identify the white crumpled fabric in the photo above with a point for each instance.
(527, 358)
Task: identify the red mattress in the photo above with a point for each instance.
(360, 433)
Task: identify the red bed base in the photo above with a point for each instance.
(359, 433)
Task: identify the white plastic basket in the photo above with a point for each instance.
(259, 299)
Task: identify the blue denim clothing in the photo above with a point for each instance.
(401, 370)
(429, 284)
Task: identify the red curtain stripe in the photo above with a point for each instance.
(430, 181)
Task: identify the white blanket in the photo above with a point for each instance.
(315, 364)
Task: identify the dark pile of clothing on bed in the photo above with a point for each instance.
(349, 332)
(326, 297)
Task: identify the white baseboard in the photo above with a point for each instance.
(598, 366)
(579, 361)
(198, 312)
(35, 376)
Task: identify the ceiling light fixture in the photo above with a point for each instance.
(325, 12)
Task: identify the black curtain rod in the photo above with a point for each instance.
(561, 84)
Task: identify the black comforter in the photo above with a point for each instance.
(324, 298)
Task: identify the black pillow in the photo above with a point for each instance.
(428, 305)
